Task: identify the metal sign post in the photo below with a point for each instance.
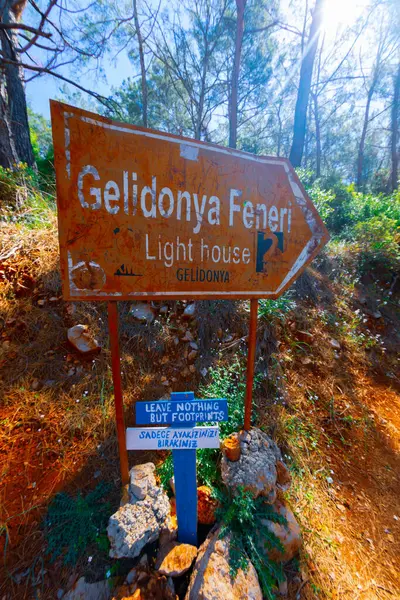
(118, 401)
(251, 358)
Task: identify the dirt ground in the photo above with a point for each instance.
(334, 411)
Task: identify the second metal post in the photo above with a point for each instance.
(251, 356)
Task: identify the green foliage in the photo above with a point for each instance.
(246, 520)
(208, 472)
(40, 131)
(14, 185)
(71, 524)
(165, 109)
(42, 145)
(271, 310)
(379, 240)
(342, 207)
(370, 221)
(332, 198)
(323, 200)
(302, 431)
(21, 198)
(367, 206)
(206, 468)
(165, 471)
(226, 382)
(321, 197)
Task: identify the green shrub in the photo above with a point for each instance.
(370, 221)
(23, 199)
(43, 151)
(71, 524)
(226, 382)
(331, 197)
(379, 240)
(14, 185)
(165, 471)
(276, 309)
(206, 469)
(367, 206)
(324, 200)
(244, 518)
(341, 214)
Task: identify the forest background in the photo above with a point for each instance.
(319, 84)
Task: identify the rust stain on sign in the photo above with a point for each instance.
(145, 214)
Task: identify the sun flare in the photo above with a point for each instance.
(338, 14)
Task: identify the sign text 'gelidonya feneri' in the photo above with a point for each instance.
(148, 214)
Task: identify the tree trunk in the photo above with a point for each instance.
(395, 132)
(14, 112)
(307, 139)
(361, 146)
(307, 64)
(233, 100)
(142, 67)
(278, 152)
(8, 152)
(376, 72)
(317, 136)
(200, 104)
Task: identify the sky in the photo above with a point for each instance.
(46, 87)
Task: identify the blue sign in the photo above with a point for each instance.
(181, 412)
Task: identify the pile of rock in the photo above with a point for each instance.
(142, 583)
(250, 460)
(253, 461)
(258, 467)
(144, 517)
(256, 464)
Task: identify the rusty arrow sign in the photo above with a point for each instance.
(144, 214)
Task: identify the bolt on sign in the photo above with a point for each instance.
(144, 214)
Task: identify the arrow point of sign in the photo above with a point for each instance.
(319, 233)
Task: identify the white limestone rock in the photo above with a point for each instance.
(256, 468)
(81, 338)
(139, 521)
(142, 480)
(142, 312)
